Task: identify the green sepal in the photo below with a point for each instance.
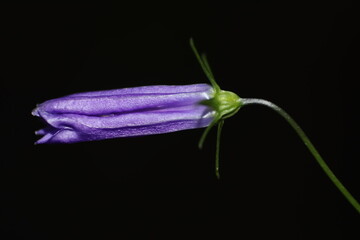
(205, 66)
(206, 132)
(217, 153)
(224, 103)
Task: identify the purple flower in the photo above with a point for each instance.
(124, 113)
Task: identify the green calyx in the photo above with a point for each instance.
(225, 104)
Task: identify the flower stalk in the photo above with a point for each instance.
(309, 145)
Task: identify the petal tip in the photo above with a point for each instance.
(35, 112)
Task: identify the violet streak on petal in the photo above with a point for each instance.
(124, 113)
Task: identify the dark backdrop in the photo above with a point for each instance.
(302, 56)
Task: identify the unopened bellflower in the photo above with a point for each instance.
(135, 111)
(150, 110)
(124, 113)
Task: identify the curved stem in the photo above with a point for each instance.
(309, 145)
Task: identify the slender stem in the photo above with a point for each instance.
(310, 146)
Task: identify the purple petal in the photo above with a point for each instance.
(67, 128)
(132, 112)
(156, 89)
(127, 100)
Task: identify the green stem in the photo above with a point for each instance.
(310, 146)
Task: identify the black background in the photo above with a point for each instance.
(302, 56)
